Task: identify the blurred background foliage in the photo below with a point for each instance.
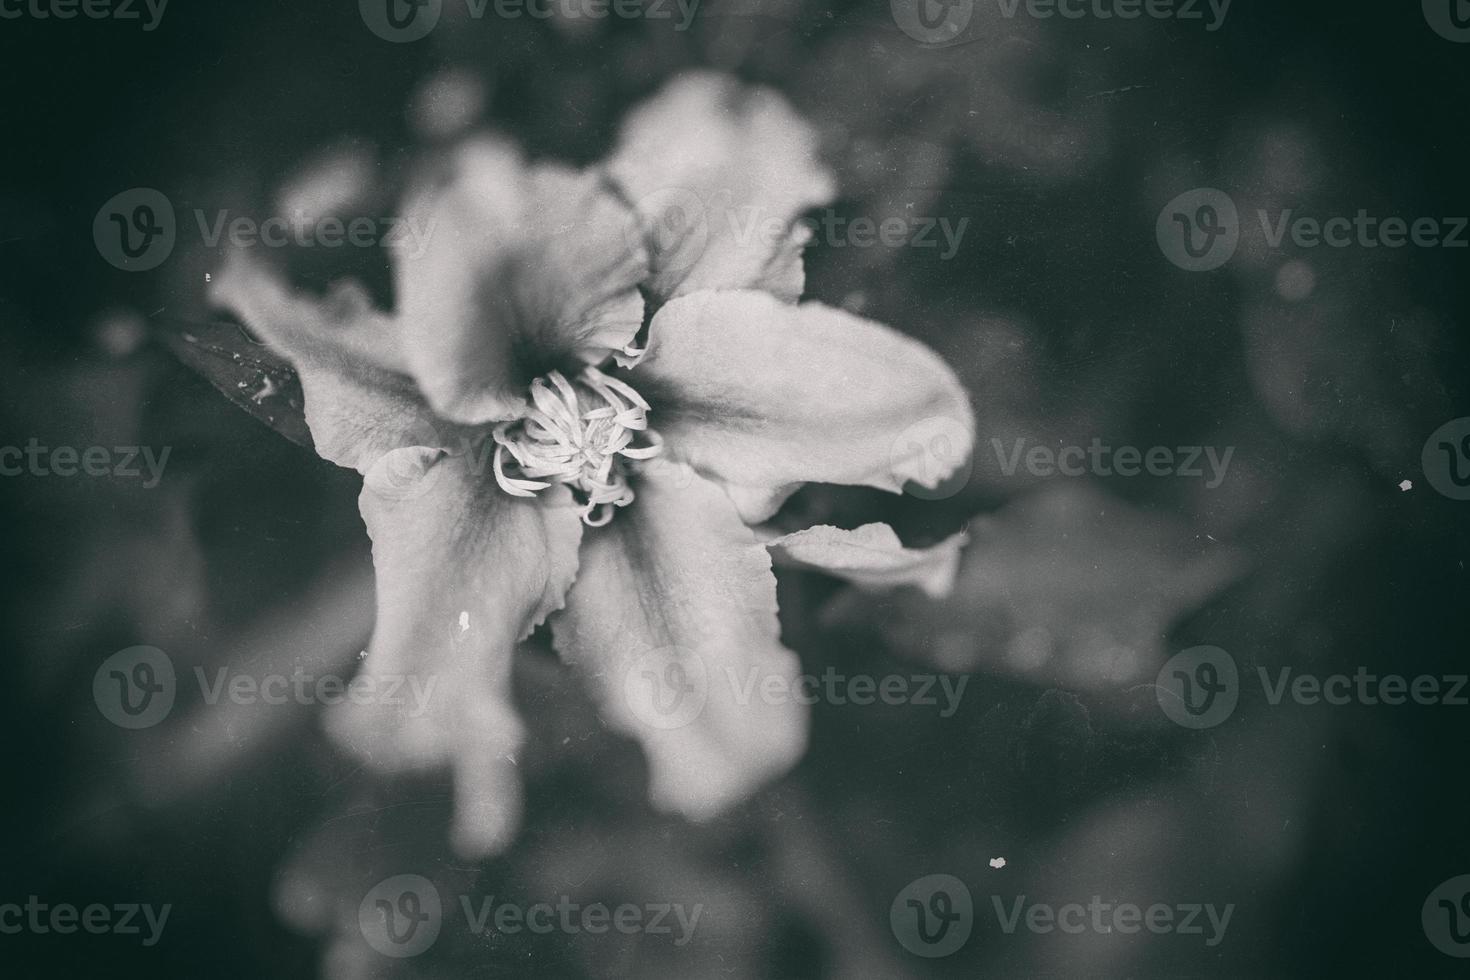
(1059, 141)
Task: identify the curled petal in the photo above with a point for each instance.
(521, 270)
(464, 572)
(872, 557)
(672, 622)
(720, 172)
(766, 396)
(358, 406)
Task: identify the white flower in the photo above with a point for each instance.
(515, 339)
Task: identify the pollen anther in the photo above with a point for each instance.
(578, 433)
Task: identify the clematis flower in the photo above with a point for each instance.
(592, 390)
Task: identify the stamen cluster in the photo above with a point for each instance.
(578, 433)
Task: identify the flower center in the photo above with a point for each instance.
(575, 434)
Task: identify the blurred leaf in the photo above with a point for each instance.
(1067, 585)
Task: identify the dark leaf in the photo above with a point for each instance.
(245, 371)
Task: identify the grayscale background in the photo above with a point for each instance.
(1336, 542)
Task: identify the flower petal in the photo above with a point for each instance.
(720, 172)
(464, 572)
(872, 556)
(523, 270)
(584, 301)
(357, 405)
(673, 623)
(767, 396)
